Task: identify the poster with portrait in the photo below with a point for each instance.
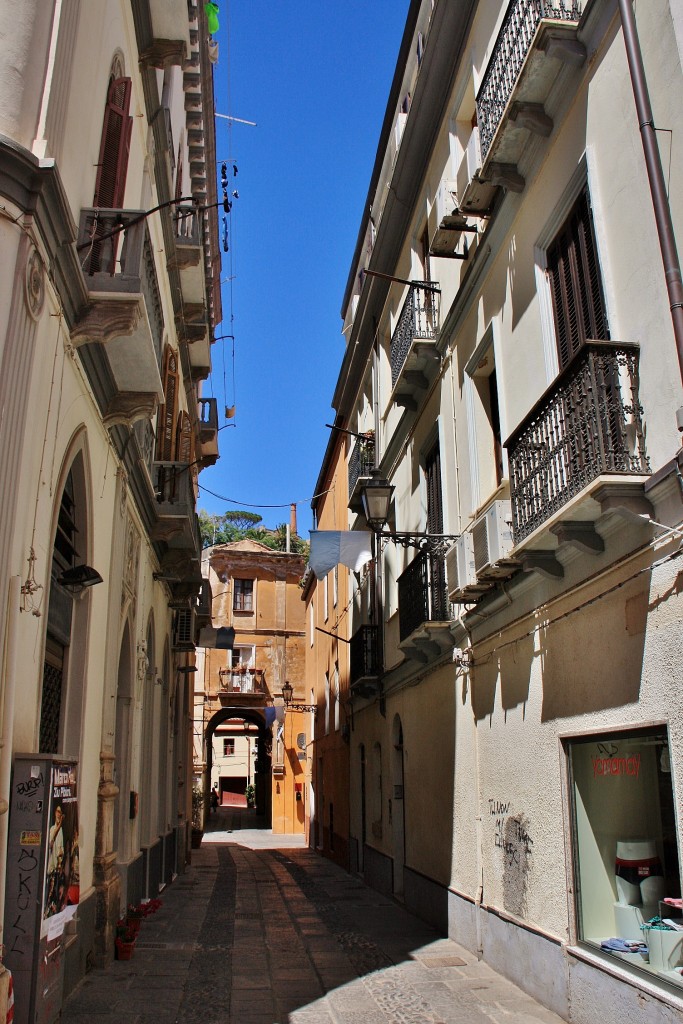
(62, 871)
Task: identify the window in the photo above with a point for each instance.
(243, 595)
(326, 606)
(484, 435)
(167, 416)
(575, 282)
(112, 165)
(335, 586)
(228, 747)
(327, 703)
(626, 854)
(336, 696)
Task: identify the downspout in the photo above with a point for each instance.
(376, 543)
(662, 210)
(11, 655)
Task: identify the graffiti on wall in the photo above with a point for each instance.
(511, 835)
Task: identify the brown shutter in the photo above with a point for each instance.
(179, 174)
(184, 439)
(115, 146)
(166, 446)
(575, 283)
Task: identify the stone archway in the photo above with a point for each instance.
(260, 773)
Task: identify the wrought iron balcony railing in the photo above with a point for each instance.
(509, 53)
(362, 460)
(588, 423)
(419, 320)
(422, 594)
(364, 654)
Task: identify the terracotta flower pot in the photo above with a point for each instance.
(124, 950)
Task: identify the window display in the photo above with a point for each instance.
(626, 851)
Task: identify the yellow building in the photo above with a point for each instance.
(327, 669)
(257, 594)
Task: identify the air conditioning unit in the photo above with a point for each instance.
(446, 222)
(475, 195)
(492, 536)
(460, 569)
(184, 630)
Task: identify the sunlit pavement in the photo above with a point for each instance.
(261, 930)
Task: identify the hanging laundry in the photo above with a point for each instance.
(212, 17)
(352, 548)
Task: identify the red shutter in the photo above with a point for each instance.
(115, 146)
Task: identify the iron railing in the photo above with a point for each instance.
(362, 460)
(364, 654)
(589, 422)
(419, 319)
(422, 594)
(512, 45)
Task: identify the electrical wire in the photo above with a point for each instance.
(247, 504)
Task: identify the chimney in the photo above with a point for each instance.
(292, 519)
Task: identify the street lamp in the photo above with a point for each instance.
(376, 494)
(288, 693)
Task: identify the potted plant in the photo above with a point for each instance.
(125, 940)
(197, 816)
(250, 793)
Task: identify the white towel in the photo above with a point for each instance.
(352, 548)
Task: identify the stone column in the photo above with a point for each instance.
(105, 874)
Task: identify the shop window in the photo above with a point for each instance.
(626, 852)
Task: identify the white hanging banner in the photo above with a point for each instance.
(352, 548)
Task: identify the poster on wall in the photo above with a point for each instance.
(62, 871)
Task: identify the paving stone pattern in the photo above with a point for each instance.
(282, 936)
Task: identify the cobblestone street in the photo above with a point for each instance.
(260, 933)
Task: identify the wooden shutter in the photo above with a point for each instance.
(166, 446)
(575, 283)
(112, 165)
(184, 439)
(179, 173)
(434, 499)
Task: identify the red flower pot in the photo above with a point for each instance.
(124, 950)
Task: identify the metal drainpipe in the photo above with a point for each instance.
(667, 241)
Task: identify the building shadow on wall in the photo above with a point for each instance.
(592, 659)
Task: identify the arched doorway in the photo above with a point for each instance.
(122, 749)
(238, 749)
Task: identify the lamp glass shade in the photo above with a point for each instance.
(287, 692)
(78, 577)
(376, 497)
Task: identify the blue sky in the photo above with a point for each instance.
(315, 77)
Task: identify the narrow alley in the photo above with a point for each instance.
(261, 930)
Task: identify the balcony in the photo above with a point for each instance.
(242, 681)
(168, 32)
(360, 465)
(364, 661)
(423, 608)
(413, 352)
(176, 519)
(207, 409)
(124, 314)
(580, 451)
(536, 45)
